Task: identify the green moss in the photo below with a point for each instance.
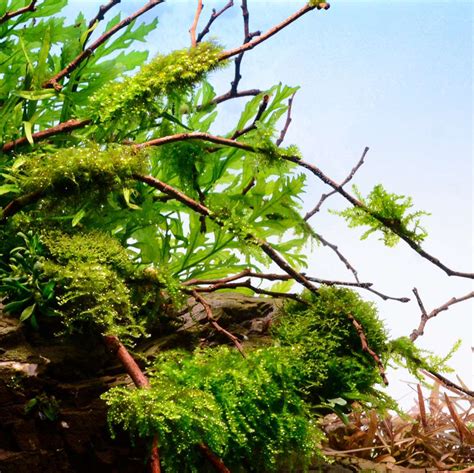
(248, 411)
(168, 75)
(332, 362)
(76, 170)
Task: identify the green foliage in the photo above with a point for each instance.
(141, 94)
(44, 406)
(404, 353)
(387, 213)
(246, 410)
(329, 347)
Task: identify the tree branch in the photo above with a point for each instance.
(317, 208)
(213, 322)
(19, 203)
(103, 9)
(83, 55)
(272, 31)
(229, 95)
(279, 141)
(214, 16)
(11, 14)
(263, 106)
(64, 127)
(367, 349)
(323, 177)
(192, 30)
(425, 316)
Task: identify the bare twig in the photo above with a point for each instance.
(192, 30)
(447, 383)
(103, 9)
(263, 106)
(140, 381)
(213, 322)
(272, 31)
(64, 127)
(83, 55)
(367, 349)
(284, 131)
(11, 14)
(229, 95)
(335, 248)
(317, 208)
(215, 461)
(19, 203)
(323, 177)
(214, 16)
(425, 316)
(201, 209)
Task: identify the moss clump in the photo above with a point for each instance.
(173, 74)
(76, 170)
(248, 411)
(332, 362)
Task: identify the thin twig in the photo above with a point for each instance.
(214, 16)
(317, 208)
(447, 383)
(280, 139)
(19, 203)
(11, 14)
(335, 248)
(367, 349)
(323, 177)
(192, 30)
(261, 109)
(229, 95)
(83, 55)
(213, 322)
(64, 127)
(272, 31)
(103, 9)
(257, 290)
(251, 239)
(425, 316)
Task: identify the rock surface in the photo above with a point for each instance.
(51, 417)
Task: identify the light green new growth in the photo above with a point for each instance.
(72, 170)
(173, 74)
(389, 208)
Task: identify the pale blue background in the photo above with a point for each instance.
(394, 76)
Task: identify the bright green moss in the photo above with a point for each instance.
(333, 364)
(168, 75)
(74, 170)
(248, 411)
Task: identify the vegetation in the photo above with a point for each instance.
(119, 203)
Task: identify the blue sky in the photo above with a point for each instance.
(397, 77)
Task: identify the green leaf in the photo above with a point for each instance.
(42, 94)
(78, 217)
(27, 127)
(126, 195)
(27, 312)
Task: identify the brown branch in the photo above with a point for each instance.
(234, 285)
(201, 209)
(447, 383)
(217, 326)
(317, 208)
(272, 31)
(192, 30)
(367, 349)
(83, 55)
(19, 203)
(229, 95)
(386, 222)
(214, 16)
(64, 127)
(261, 109)
(323, 177)
(215, 461)
(283, 132)
(335, 248)
(103, 9)
(425, 316)
(11, 14)
(140, 381)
